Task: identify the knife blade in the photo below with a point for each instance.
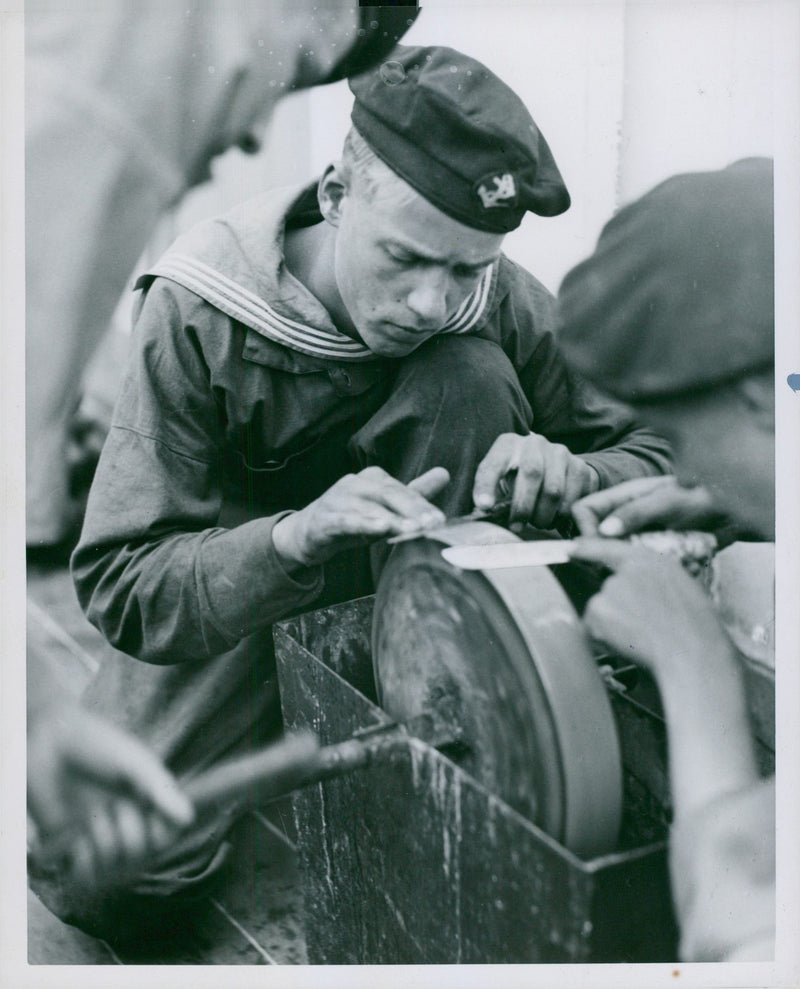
(693, 550)
(538, 553)
(493, 514)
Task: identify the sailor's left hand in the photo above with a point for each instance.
(547, 478)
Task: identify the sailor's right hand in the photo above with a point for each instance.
(358, 509)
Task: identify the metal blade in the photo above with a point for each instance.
(538, 553)
(493, 514)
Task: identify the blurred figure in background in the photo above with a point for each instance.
(674, 314)
(127, 103)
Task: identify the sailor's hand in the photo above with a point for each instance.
(100, 802)
(643, 503)
(547, 478)
(358, 509)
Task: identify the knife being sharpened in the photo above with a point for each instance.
(496, 513)
(539, 553)
(692, 549)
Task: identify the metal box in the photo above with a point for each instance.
(410, 860)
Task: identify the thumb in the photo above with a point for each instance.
(431, 482)
(110, 756)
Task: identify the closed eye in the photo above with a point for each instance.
(401, 257)
(463, 271)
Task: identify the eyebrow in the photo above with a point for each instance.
(474, 266)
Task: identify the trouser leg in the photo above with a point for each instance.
(445, 406)
(451, 399)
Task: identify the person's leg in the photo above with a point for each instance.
(450, 400)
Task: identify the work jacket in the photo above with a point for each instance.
(237, 374)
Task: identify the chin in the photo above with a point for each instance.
(389, 348)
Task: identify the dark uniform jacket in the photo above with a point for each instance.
(238, 379)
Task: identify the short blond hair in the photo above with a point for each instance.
(361, 166)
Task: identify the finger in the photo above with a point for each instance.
(82, 863)
(159, 834)
(578, 480)
(637, 514)
(584, 516)
(431, 482)
(104, 753)
(551, 486)
(590, 511)
(501, 459)
(105, 842)
(665, 507)
(611, 553)
(131, 831)
(407, 503)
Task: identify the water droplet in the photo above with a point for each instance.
(454, 68)
(261, 43)
(373, 25)
(211, 70)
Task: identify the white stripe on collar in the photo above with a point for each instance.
(245, 306)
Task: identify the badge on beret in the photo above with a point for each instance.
(496, 190)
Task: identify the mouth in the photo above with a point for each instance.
(413, 331)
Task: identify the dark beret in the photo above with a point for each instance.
(459, 136)
(678, 295)
(380, 28)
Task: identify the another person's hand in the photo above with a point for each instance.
(547, 478)
(650, 611)
(357, 509)
(644, 502)
(101, 803)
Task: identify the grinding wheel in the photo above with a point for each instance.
(501, 658)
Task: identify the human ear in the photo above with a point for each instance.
(331, 193)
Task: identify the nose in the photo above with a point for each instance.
(428, 298)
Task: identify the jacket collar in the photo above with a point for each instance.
(235, 262)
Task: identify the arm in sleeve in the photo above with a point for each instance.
(566, 408)
(153, 570)
(722, 865)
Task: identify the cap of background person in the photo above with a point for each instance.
(459, 136)
(379, 30)
(678, 295)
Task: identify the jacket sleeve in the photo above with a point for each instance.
(153, 569)
(722, 866)
(566, 408)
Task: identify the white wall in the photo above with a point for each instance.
(626, 93)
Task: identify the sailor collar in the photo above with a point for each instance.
(235, 263)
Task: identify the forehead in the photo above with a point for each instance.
(399, 214)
